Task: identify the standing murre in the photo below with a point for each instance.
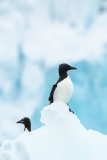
(27, 124)
(63, 89)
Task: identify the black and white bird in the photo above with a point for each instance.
(63, 89)
(27, 124)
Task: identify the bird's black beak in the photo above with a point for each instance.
(21, 121)
(70, 68)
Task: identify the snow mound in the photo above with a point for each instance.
(14, 150)
(62, 138)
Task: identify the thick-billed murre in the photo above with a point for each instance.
(63, 89)
(26, 122)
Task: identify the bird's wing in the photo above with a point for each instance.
(51, 93)
(52, 90)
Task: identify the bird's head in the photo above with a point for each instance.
(63, 68)
(26, 122)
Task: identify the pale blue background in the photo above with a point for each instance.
(35, 37)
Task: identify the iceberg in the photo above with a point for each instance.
(61, 138)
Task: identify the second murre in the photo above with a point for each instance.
(63, 89)
(27, 124)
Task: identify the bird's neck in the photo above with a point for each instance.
(26, 130)
(63, 74)
(27, 127)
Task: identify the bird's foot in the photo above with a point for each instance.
(71, 110)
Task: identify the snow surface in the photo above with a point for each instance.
(62, 138)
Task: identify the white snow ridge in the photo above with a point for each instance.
(62, 138)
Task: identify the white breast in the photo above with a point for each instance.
(26, 130)
(64, 90)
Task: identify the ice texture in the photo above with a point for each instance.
(61, 138)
